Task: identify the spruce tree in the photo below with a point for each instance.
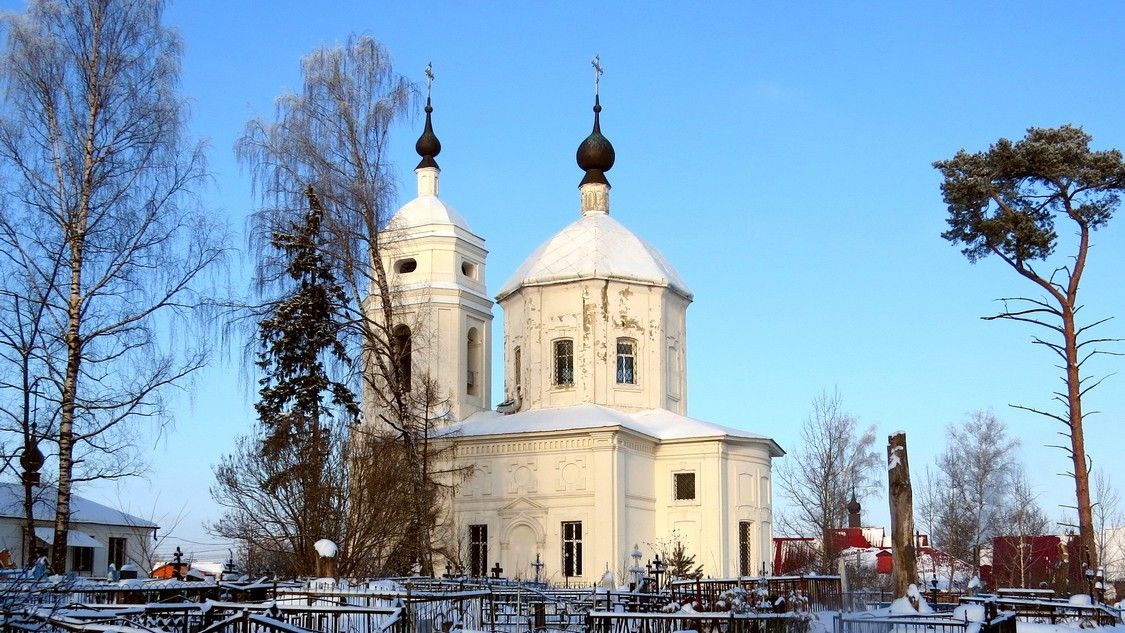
(299, 403)
(682, 565)
(300, 334)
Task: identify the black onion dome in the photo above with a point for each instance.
(595, 154)
(428, 145)
(853, 505)
(32, 458)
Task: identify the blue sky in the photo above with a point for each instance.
(778, 154)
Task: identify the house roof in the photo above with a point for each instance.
(659, 424)
(82, 510)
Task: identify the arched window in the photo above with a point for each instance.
(400, 355)
(472, 356)
(517, 369)
(626, 361)
(564, 362)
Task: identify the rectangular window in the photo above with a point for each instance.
(683, 485)
(117, 551)
(572, 548)
(518, 360)
(478, 551)
(564, 362)
(626, 362)
(744, 568)
(82, 559)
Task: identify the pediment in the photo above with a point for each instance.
(522, 506)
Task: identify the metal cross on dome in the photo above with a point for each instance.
(597, 64)
(429, 79)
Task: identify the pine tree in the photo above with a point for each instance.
(1035, 204)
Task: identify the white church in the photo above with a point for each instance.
(591, 453)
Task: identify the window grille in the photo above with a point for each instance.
(744, 568)
(564, 362)
(572, 548)
(478, 551)
(684, 485)
(626, 362)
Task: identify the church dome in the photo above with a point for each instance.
(595, 154)
(596, 246)
(427, 210)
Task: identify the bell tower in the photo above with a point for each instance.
(443, 325)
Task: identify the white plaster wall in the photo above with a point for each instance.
(619, 484)
(439, 302)
(709, 524)
(594, 313)
(544, 480)
(11, 530)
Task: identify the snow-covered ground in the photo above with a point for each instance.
(969, 613)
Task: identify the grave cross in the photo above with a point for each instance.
(538, 565)
(178, 556)
(497, 570)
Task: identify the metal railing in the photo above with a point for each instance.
(1004, 622)
(615, 622)
(215, 616)
(821, 592)
(1050, 610)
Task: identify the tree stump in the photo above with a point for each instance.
(902, 515)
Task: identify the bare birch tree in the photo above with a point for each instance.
(331, 138)
(1023, 520)
(27, 353)
(834, 458)
(1109, 524)
(98, 169)
(968, 494)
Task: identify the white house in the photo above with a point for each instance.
(591, 453)
(99, 535)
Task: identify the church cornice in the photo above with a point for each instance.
(501, 297)
(403, 238)
(556, 441)
(520, 441)
(448, 293)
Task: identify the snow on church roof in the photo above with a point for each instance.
(82, 510)
(596, 246)
(426, 210)
(659, 424)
